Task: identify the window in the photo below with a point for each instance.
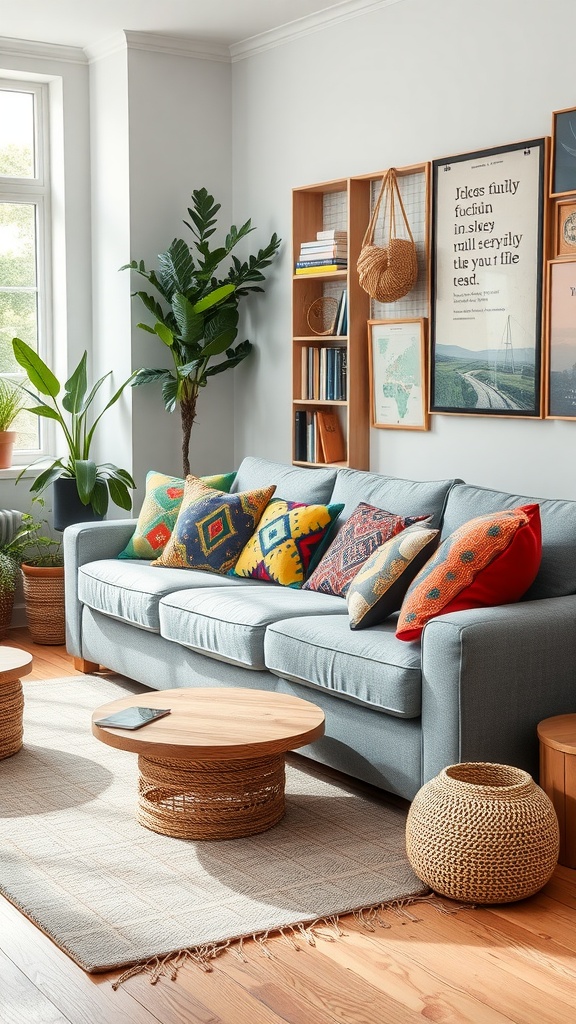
(24, 240)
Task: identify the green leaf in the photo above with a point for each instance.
(86, 473)
(151, 304)
(169, 392)
(145, 376)
(213, 298)
(190, 323)
(99, 500)
(44, 410)
(176, 267)
(119, 494)
(39, 374)
(164, 333)
(146, 327)
(108, 469)
(75, 388)
(43, 480)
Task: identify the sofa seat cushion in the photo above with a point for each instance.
(131, 591)
(231, 624)
(370, 667)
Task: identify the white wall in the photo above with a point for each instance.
(180, 140)
(406, 83)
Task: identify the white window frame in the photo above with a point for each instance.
(36, 191)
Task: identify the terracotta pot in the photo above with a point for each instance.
(7, 439)
(44, 599)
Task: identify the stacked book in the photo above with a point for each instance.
(327, 252)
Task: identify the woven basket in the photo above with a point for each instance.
(387, 273)
(44, 599)
(482, 833)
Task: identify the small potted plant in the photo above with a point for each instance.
(11, 403)
(81, 487)
(42, 565)
(15, 528)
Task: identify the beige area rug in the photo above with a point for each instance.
(111, 893)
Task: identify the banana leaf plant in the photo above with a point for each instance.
(197, 317)
(95, 483)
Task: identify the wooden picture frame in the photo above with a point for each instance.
(561, 340)
(563, 163)
(488, 230)
(565, 228)
(398, 374)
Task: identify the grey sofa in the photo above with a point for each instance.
(473, 689)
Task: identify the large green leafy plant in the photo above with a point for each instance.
(197, 317)
(95, 483)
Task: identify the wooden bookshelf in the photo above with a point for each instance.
(332, 204)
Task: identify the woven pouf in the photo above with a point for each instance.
(482, 833)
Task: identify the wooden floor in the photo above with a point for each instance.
(476, 966)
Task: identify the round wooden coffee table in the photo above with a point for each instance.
(214, 767)
(14, 663)
(557, 737)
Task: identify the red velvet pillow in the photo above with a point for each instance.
(490, 560)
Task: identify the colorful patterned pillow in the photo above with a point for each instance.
(379, 588)
(490, 560)
(288, 536)
(160, 510)
(367, 528)
(213, 527)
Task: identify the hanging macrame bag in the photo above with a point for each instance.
(388, 272)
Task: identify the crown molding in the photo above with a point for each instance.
(178, 46)
(46, 51)
(105, 47)
(343, 11)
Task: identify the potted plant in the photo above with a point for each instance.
(11, 403)
(197, 319)
(82, 488)
(42, 565)
(14, 530)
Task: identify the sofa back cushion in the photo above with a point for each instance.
(557, 574)
(293, 483)
(402, 497)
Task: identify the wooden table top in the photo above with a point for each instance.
(14, 663)
(215, 724)
(559, 732)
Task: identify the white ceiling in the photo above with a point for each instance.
(85, 23)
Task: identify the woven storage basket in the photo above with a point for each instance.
(44, 599)
(387, 273)
(482, 833)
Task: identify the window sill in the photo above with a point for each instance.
(13, 471)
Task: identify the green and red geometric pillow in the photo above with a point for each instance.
(287, 539)
(160, 510)
(212, 527)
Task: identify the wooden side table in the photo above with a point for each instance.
(558, 778)
(13, 664)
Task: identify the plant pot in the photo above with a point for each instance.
(6, 607)
(482, 833)
(7, 439)
(44, 599)
(67, 508)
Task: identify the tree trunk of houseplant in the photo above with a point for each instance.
(44, 600)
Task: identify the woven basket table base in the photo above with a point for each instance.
(208, 800)
(11, 709)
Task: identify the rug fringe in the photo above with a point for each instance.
(327, 929)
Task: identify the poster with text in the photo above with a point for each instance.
(487, 281)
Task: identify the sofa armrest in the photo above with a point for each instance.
(87, 542)
(489, 675)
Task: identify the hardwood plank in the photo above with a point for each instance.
(20, 1000)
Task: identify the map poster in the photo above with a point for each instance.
(397, 367)
(487, 244)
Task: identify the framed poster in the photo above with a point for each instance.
(565, 228)
(561, 340)
(397, 373)
(487, 245)
(563, 167)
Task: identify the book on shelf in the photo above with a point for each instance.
(300, 436)
(321, 268)
(331, 233)
(330, 432)
(341, 315)
(328, 262)
(304, 372)
(328, 248)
